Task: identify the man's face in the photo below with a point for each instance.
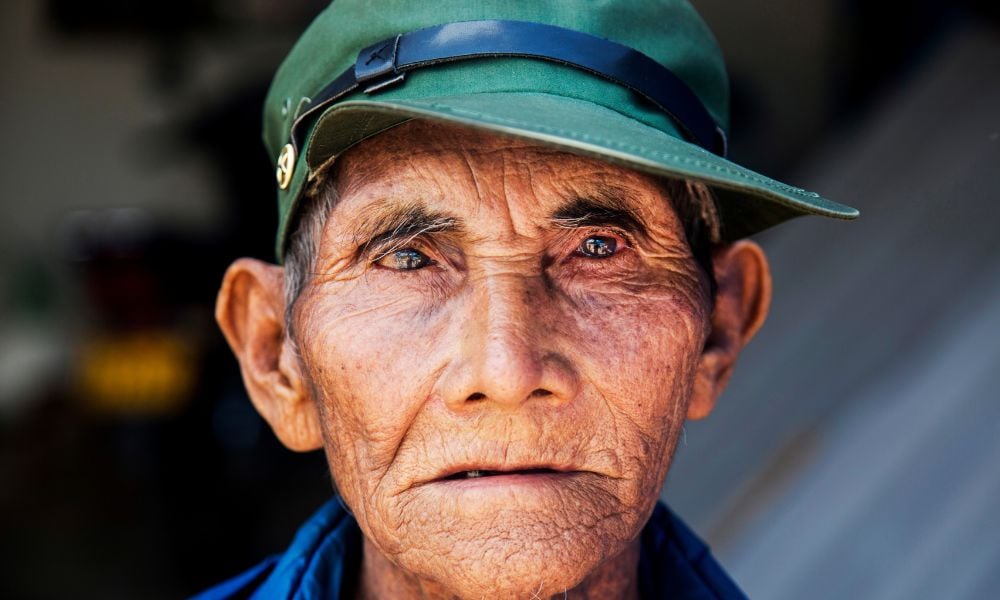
(484, 304)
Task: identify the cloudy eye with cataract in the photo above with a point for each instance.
(406, 259)
(598, 246)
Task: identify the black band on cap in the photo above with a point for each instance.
(386, 63)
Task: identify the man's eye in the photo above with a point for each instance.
(406, 259)
(598, 246)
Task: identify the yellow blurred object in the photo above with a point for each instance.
(149, 373)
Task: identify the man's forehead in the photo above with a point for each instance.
(409, 149)
(423, 136)
(462, 171)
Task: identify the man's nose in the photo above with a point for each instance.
(505, 353)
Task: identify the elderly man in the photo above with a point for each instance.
(512, 269)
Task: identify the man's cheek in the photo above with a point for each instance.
(353, 311)
(371, 413)
(644, 377)
(635, 346)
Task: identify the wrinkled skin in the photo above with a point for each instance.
(498, 340)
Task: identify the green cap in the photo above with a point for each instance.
(549, 101)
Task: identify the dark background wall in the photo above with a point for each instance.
(855, 454)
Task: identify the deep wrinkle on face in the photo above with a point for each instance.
(509, 348)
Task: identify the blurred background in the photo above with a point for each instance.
(855, 455)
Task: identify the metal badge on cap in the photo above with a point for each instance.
(286, 166)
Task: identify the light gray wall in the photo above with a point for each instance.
(857, 453)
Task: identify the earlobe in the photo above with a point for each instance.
(742, 301)
(250, 312)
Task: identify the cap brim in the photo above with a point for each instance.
(748, 201)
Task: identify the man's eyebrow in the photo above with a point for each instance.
(603, 208)
(395, 225)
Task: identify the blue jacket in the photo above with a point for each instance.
(324, 559)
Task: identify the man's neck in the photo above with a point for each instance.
(381, 579)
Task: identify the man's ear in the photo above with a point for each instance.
(741, 304)
(250, 310)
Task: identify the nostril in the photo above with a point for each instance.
(475, 396)
(540, 393)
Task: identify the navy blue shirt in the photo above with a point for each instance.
(324, 560)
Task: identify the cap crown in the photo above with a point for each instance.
(669, 31)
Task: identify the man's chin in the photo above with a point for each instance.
(533, 538)
(508, 568)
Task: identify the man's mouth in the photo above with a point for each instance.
(477, 473)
